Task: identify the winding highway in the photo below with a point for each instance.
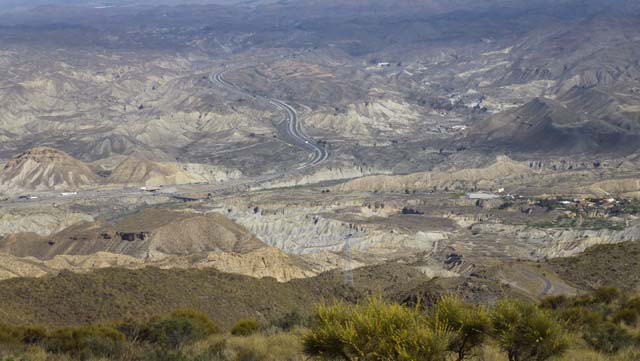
(292, 130)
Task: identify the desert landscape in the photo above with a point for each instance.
(248, 159)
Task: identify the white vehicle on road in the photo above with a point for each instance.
(28, 197)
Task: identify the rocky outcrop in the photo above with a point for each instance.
(536, 243)
(566, 243)
(307, 231)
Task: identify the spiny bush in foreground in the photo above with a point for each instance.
(86, 342)
(526, 332)
(161, 336)
(180, 327)
(606, 319)
(375, 330)
(591, 327)
(381, 331)
(470, 325)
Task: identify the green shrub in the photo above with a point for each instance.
(628, 316)
(526, 332)
(554, 302)
(133, 330)
(33, 335)
(280, 346)
(633, 304)
(606, 295)
(214, 348)
(180, 327)
(470, 325)
(577, 318)
(251, 354)
(10, 335)
(156, 354)
(246, 327)
(86, 342)
(376, 331)
(290, 320)
(607, 337)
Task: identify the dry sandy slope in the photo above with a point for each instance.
(151, 233)
(154, 237)
(264, 262)
(43, 168)
(46, 169)
(503, 169)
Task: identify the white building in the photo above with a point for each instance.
(482, 195)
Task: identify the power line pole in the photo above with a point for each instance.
(348, 269)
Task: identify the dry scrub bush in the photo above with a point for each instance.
(607, 337)
(257, 347)
(181, 327)
(86, 342)
(246, 327)
(526, 332)
(375, 331)
(470, 325)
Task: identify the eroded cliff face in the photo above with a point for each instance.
(303, 230)
(158, 238)
(566, 243)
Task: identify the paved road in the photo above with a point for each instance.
(293, 131)
(293, 134)
(548, 286)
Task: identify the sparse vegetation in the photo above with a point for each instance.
(86, 342)
(246, 327)
(375, 330)
(586, 327)
(470, 325)
(179, 328)
(526, 332)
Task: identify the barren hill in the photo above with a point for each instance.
(504, 168)
(153, 237)
(547, 126)
(144, 172)
(43, 168)
(151, 233)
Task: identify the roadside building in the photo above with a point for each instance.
(482, 195)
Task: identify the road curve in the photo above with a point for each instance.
(294, 136)
(294, 133)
